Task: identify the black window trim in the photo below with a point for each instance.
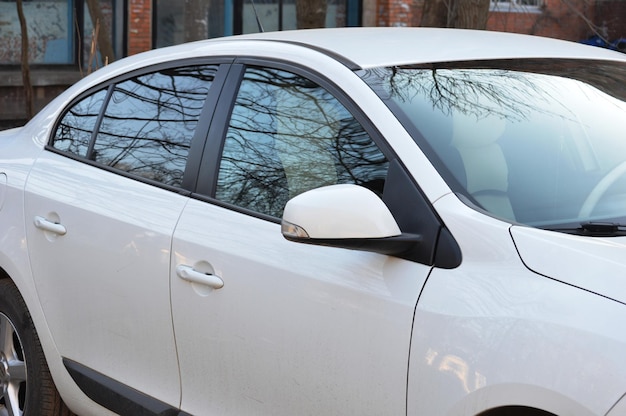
(439, 249)
(207, 182)
(198, 140)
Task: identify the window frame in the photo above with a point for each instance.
(209, 168)
(403, 196)
(198, 139)
(514, 6)
(405, 199)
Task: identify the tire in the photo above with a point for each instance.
(26, 386)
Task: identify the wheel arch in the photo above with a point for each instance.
(518, 399)
(515, 411)
(4, 274)
(70, 393)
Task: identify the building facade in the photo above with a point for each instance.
(67, 39)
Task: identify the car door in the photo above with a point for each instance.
(103, 201)
(265, 326)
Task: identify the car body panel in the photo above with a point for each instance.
(405, 46)
(104, 285)
(473, 329)
(592, 263)
(285, 334)
(18, 149)
(619, 408)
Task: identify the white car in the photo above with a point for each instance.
(364, 221)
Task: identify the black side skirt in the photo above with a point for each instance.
(115, 396)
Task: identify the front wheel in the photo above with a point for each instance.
(26, 387)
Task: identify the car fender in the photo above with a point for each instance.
(492, 333)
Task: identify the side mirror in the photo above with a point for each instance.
(346, 216)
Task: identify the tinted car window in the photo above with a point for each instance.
(537, 142)
(288, 135)
(149, 122)
(76, 128)
(147, 125)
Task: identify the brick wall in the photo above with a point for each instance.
(139, 26)
(396, 13)
(556, 18)
(46, 86)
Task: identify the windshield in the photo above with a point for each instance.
(538, 142)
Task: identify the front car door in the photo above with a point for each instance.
(103, 201)
(268, 326)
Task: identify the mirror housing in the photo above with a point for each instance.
(345, 216)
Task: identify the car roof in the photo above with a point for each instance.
(362, 48)
(389, 46)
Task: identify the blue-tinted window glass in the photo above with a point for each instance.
(74, 132)
(288, 135)
(150, 121)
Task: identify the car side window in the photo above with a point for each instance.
(74, 132)
(147, 124)
(288, 135)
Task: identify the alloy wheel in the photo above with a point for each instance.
(12, 370)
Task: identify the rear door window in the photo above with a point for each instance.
(142, 126)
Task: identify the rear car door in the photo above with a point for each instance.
(265, 326)
(103, 201)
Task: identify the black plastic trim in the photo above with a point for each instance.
(115, 396)
(218, 60)
(208, 169)
(213, 150)
(198, 141)
(410, 207)
(96, 128)
(447, 253)
(392, 246)
(412, 212)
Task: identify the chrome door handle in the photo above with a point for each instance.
(53, 227)
(189, 274)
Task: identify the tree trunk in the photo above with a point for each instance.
(196, 20)
(435, 13)
(28, 87)
(462, 14)
(105, 46)
(311, 13)
(471, 14)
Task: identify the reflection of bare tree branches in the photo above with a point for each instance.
(506, 89)
(147, 126)
(481, 93)
(288, 135)
(75, 130)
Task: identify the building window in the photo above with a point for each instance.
(281, 15)
(49, 26)
(55, 28)
(516, 6)
(190, 20)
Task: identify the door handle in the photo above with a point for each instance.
(189, 274)
(53, 227)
